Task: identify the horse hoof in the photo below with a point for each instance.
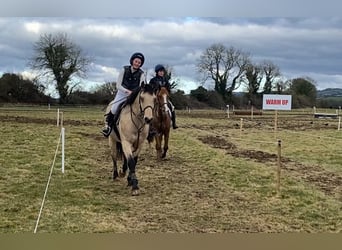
(135, 192)
(115, 175)
(122, 174)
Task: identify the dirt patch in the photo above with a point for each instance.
(328, 182)
(294, 122)
(24, 119)
(217, 142)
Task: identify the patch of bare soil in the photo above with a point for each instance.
(328, 182)
(23, 119)
(300, 123)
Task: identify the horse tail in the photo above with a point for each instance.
(119, 151)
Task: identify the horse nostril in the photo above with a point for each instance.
(148, 120)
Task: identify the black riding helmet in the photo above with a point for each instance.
(137, 55)
(159, 67)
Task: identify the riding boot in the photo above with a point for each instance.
(151, 133)
(109, 124)
(173, 118)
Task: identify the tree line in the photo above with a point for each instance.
(15, 89)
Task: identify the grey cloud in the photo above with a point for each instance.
(178, 8)
(298, 45)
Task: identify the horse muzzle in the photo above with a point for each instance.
(148, 120)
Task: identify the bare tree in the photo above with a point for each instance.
(272, 72)
(56, 55)
(109, 88)
(225, 66)
(282, 86)
(253, 77)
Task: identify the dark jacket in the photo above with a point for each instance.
(131, 80)
(158, 82)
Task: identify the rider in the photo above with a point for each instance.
(160, 80)
(129, 79)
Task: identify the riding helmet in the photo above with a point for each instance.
(137, 55)
(159, 67)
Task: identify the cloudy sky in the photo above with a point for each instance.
(299, 45)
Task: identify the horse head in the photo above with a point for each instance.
(147, 99)
(163, 97)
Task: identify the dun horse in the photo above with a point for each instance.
(130, 131)
(162, 122)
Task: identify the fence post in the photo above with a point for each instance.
(241, 125)
(278, 167)
(62, 119)
(275, 122)
(57, 117)
(63, 138)
(339, 124)
(228, 111)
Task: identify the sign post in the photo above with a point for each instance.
(277, 102)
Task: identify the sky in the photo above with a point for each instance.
(301, 45)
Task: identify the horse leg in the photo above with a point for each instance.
(115, 169)
(131, 179)
(166, 144)
(113, 154)
(158, 139)
(124, 168)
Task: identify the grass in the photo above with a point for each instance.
(200, 187)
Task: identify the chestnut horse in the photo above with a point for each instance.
(130, 131)
(162, 122)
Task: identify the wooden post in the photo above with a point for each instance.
(57, 117)
(62, 119)
(228, 111)
(275, 121)
(339, 124)
(241, 125)
(251, 112)
(279, 167)
(63, 143)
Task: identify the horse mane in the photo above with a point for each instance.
(164, 89)
(131, 98)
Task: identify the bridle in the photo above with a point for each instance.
(140, 116)
(163, 104)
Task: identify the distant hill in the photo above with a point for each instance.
(329, 92)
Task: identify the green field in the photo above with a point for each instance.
(217, 177)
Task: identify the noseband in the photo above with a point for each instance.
(142, 110)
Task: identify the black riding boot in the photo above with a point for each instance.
(173, 118)
(109, 124)
(151, 133)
